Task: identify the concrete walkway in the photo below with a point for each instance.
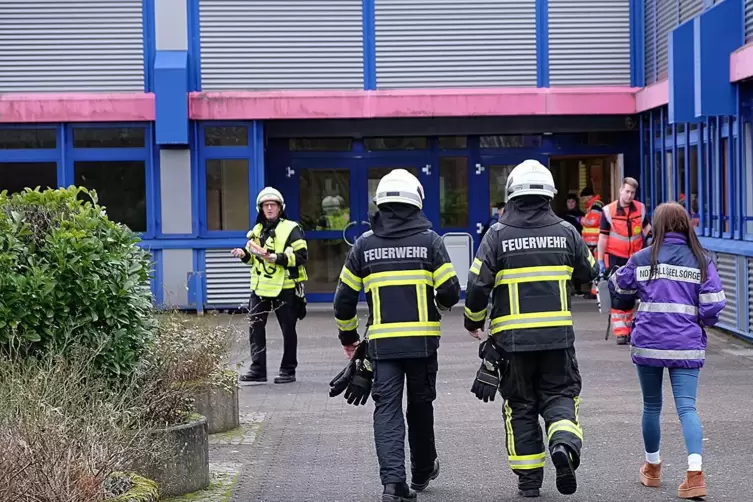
(310, 447)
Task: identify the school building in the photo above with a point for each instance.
(179, 111)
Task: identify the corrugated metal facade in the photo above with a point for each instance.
(589, 42)
(649, 36)
(281, 44)
(726, 265)
(666, 21)
(448, 43)
(748, 20)
(71, 45)
(228, 279)
(689, 8)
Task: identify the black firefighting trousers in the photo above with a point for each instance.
(545, 383)
(389, 426)
(285, 308)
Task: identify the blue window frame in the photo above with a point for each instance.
(117, 160)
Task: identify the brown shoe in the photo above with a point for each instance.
(651, 475)
(693, 487)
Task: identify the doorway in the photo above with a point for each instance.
(601, 173)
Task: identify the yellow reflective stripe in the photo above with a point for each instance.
(443, 274)
(591, 259)
(476, 266)
(563, 296)
(376, 302)
(590, 230)
(531, 320)
(508, 427)
(298, 245)
(475, 316)
(565, 426)
(423, 307)
(515, 299)
(398, 278)
(525, 462)
(576, 400)
(348, 325)
(291, 257)
(533, 274)
(400, 329)
(349, 279)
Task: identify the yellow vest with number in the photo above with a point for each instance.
(269, 279)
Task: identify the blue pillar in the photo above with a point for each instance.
(542, 43)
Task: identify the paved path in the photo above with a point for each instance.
(310, 447)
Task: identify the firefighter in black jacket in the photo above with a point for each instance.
(525, 261)
(406, 272)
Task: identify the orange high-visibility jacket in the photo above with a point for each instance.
(625, 234)
(591, 221)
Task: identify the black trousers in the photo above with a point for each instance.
(545, 383)
(285, 308)
(389, 426)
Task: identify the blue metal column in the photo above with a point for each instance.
(542, 43)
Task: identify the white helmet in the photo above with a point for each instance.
(400, 186)
(267, 194)
(530, 177)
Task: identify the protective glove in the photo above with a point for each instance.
(338, 384)
(359, 388)
(602, 267)
(488, 376)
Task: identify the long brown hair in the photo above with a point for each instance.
(672, 217)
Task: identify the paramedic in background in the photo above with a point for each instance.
(623, 227)
(591, 230)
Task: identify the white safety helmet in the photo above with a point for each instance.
(330, 204)
(267, 194)
(400, 186)
(530, 177)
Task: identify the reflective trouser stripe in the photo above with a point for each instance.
(565, 426)
(527, 462)
(621, 321)
(510, 435)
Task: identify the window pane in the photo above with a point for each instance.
(693, 168)
(15, 176)
(121, 188)
(226, 136)
(22, 139)
(748, 169)
(227, 194)
(669, 175)
(681, 172)
(109, 137)
(325, 261)
(453, 142)
(320, 144)
(453, 192)
(498, 184)
(511, 141)
(657, 179)
(324, 199)
(396, 143)
(376, 174)
(724, 166)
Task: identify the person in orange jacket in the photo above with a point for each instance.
(623, 227)
(591, 224)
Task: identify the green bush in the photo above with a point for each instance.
(71, 277)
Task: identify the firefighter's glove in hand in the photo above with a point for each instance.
(341, 381)
(488, 376)
(359, 388)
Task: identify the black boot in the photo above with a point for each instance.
(285, 377)
(420, 483)
(566, 483)
(623, 340)
(253, 376)
(398, 492)
(530, 493)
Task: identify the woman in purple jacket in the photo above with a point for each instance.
(680, 293)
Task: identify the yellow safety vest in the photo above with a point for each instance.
(269, 279)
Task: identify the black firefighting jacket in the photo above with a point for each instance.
(405, 270)
(526, 260)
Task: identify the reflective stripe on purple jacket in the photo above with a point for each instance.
(675, 305)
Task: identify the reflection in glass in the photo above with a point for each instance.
(227, 194)
(669, 175)
(657, 179)
(511, 141)
(693, 168)
(453, 142)
(325, 261)
(15, 176)
(398, 143)
(324, 199)
(320, 144)
(23, 139)
(376, 174)
(109, 137)
(681, 172)
(453, 192)
(121, 188)
(498, 184)
(226, 136)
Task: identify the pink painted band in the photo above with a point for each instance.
(411, 103)
(75, 107)
(741, 63)
(653, 96)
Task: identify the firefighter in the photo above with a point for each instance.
(623, 225)
(406, 272)
(277, 252)
(525, 261)
(591, 223)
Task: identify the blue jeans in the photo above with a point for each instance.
(684, 388)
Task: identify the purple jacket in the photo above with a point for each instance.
(674, 306)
